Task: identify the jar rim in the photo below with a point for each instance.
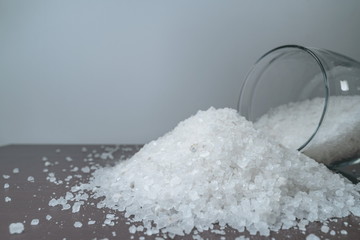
(312, 53)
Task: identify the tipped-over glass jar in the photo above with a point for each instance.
(307, 99)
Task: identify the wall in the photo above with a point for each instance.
(129, 71)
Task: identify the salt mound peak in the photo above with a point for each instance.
(214, 167)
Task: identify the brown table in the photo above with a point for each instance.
(29, 200)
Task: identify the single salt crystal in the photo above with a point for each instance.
(69, 159)
(48, 217)
(44, 158)
(85, 169)
(242, 238)
(132, 229)
(325, 229)
(16, 170)
(6, 185)
(312, 236)
(332, 232)
(58, 150)
(46, 164)
(7, 199)
(16, 228)
(83, 149)
(343, 232)
(76, 206)
(91, 222)
(31, 179)
(35, 221)
(69, 196)
(78, 224)
(6, 176)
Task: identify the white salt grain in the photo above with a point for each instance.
(325, 229)
(16, 170)
(6, 176)
(312, 236)
(343, 232)
(85, 169)
(16, 228)
(48, 217)
(7, 199)
(78, 224)
(132, 229)
(91, 222)
(31, 179)
(6, 185)
(332, 232)
(34, 222)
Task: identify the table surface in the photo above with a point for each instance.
(29, 200)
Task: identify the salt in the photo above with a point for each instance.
(294, 123)
(324, 229)
(16, 228)
(7, 199)
(48, 217)
(34, 222)
(78, 224)
(16, 170)
(215, 167)
(312, 236)
(31, 179)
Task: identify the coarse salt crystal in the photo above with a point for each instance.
(16, 228)
(34, 222)
(78, 224)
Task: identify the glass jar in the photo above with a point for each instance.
(307, 99)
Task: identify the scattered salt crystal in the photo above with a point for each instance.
(35, 221)
(44, 158)
(69, 196)
(16, 170)
(346, 224)
(31, 179)
(58, 150)
(74, 169)
(83, 149)
(7, 199)
(85, 169)
(69, 159)
(48, 217)
(6, 176)
(76, 206)
(91, 222)
(16, 228)
(242, 238)
(324, 229)
(312, 236)
(140, 228)
(332, 232)
(78, 224)
(132, 229)
(343, 232)
(114, 234)
(6, 185)
(141, 238)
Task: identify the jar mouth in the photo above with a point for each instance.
(241, 108)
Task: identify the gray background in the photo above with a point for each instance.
(129, 71)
